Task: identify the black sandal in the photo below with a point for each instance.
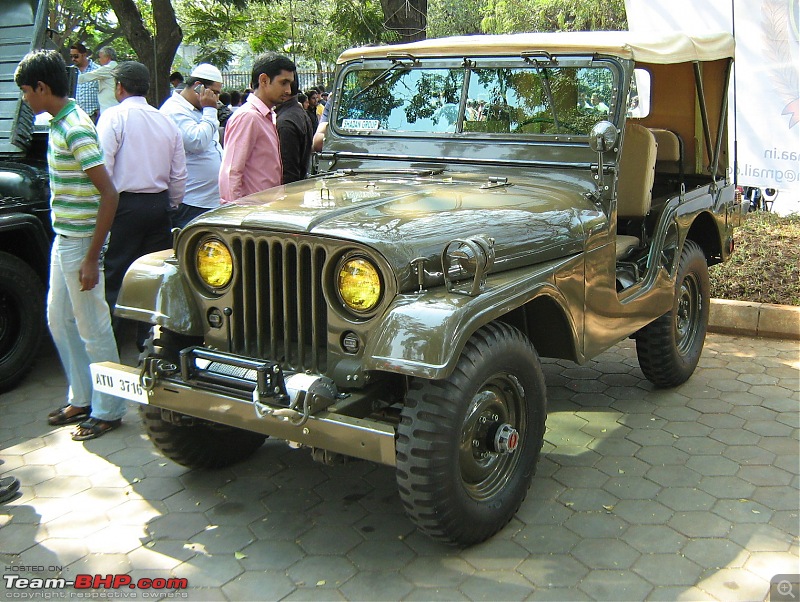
(8, 488)
(94, 428)
(60, 416)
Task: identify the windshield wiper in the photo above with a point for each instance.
(434, 171)
(381, 77)
(541, 66)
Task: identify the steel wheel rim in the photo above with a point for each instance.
(484, 473)
(687, 316)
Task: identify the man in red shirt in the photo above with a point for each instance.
(251, 160)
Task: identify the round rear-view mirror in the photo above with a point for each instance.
(603, 137)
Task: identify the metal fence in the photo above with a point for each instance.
(306, 79)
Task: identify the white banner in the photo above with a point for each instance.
(766, 84)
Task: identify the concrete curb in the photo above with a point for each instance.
(754, 319)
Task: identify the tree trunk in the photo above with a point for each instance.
(407, 18)
(155, 51)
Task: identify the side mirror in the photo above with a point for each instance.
(603, 137)
(601, 140)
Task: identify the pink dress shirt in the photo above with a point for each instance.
(251, 160)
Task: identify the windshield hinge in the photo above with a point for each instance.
(495, 182)
(540, 57)
(594, 197)
(399, 57)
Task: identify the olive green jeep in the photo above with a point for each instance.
(479, 203)
(25, 227)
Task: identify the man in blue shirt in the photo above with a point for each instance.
(86, 93)
(194, 110)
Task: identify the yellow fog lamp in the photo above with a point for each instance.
(214, 263)
(359, 284)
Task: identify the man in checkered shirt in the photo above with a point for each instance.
(86, 94)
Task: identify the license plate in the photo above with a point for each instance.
(117, 380)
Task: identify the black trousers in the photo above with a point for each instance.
(141, 225)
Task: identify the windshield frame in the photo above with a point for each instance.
(470, 65)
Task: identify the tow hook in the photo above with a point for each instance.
(154, 368)
(506, 439)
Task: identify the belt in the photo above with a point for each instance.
(129, 193)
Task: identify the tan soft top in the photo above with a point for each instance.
(644, 47)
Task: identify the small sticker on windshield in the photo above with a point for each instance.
(360, 124)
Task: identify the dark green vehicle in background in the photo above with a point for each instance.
(25, 228)
(480, 202)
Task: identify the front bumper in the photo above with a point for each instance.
(326, 429)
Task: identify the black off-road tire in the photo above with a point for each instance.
(452, 484)
(670, 347)
(198, 443)
(22, 319)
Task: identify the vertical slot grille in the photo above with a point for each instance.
(279, 309)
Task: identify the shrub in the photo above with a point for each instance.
(765, 266)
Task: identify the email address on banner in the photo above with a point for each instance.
(778, 176)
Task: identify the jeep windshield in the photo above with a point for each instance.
(529, 96)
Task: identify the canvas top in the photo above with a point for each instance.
(644, 47)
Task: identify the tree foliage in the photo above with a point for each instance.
(408, 19)
(85, 21)
(504, 16)
(154, 34)
(359, 22)
(454, 17)
(308, 31)
(210, 25)
(149, 27)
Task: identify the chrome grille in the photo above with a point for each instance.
(279, 309)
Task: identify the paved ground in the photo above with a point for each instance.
(686, 494)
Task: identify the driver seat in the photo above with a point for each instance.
(637, 168)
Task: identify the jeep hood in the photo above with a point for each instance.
(532, 220)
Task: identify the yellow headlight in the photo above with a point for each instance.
(359, 284)
(214, 263)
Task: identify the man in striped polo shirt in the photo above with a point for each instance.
(83, 202)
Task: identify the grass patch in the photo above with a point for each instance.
(765, 266)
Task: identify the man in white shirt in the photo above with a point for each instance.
(144, 157)
(194, 111)
(104, 76)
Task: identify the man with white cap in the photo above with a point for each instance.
(194, 111)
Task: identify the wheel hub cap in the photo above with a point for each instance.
(506, 439)
(491, 432)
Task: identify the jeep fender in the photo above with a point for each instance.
(422, 335)
(154, 291)
(24, 236)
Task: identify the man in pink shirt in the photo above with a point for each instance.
(251, 160)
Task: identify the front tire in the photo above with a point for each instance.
(190, 441)
(454, 483)
(670, 347)
(22, 319)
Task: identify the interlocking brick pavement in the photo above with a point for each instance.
(682, 494)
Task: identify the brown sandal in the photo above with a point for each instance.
(63, 416)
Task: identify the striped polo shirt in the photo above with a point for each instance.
(73, 149)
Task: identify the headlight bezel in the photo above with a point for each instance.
(209, 287)
(351, 311)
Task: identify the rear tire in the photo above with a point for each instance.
(670, 347)
(198, 443)
(453, 482)
(22, 319)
